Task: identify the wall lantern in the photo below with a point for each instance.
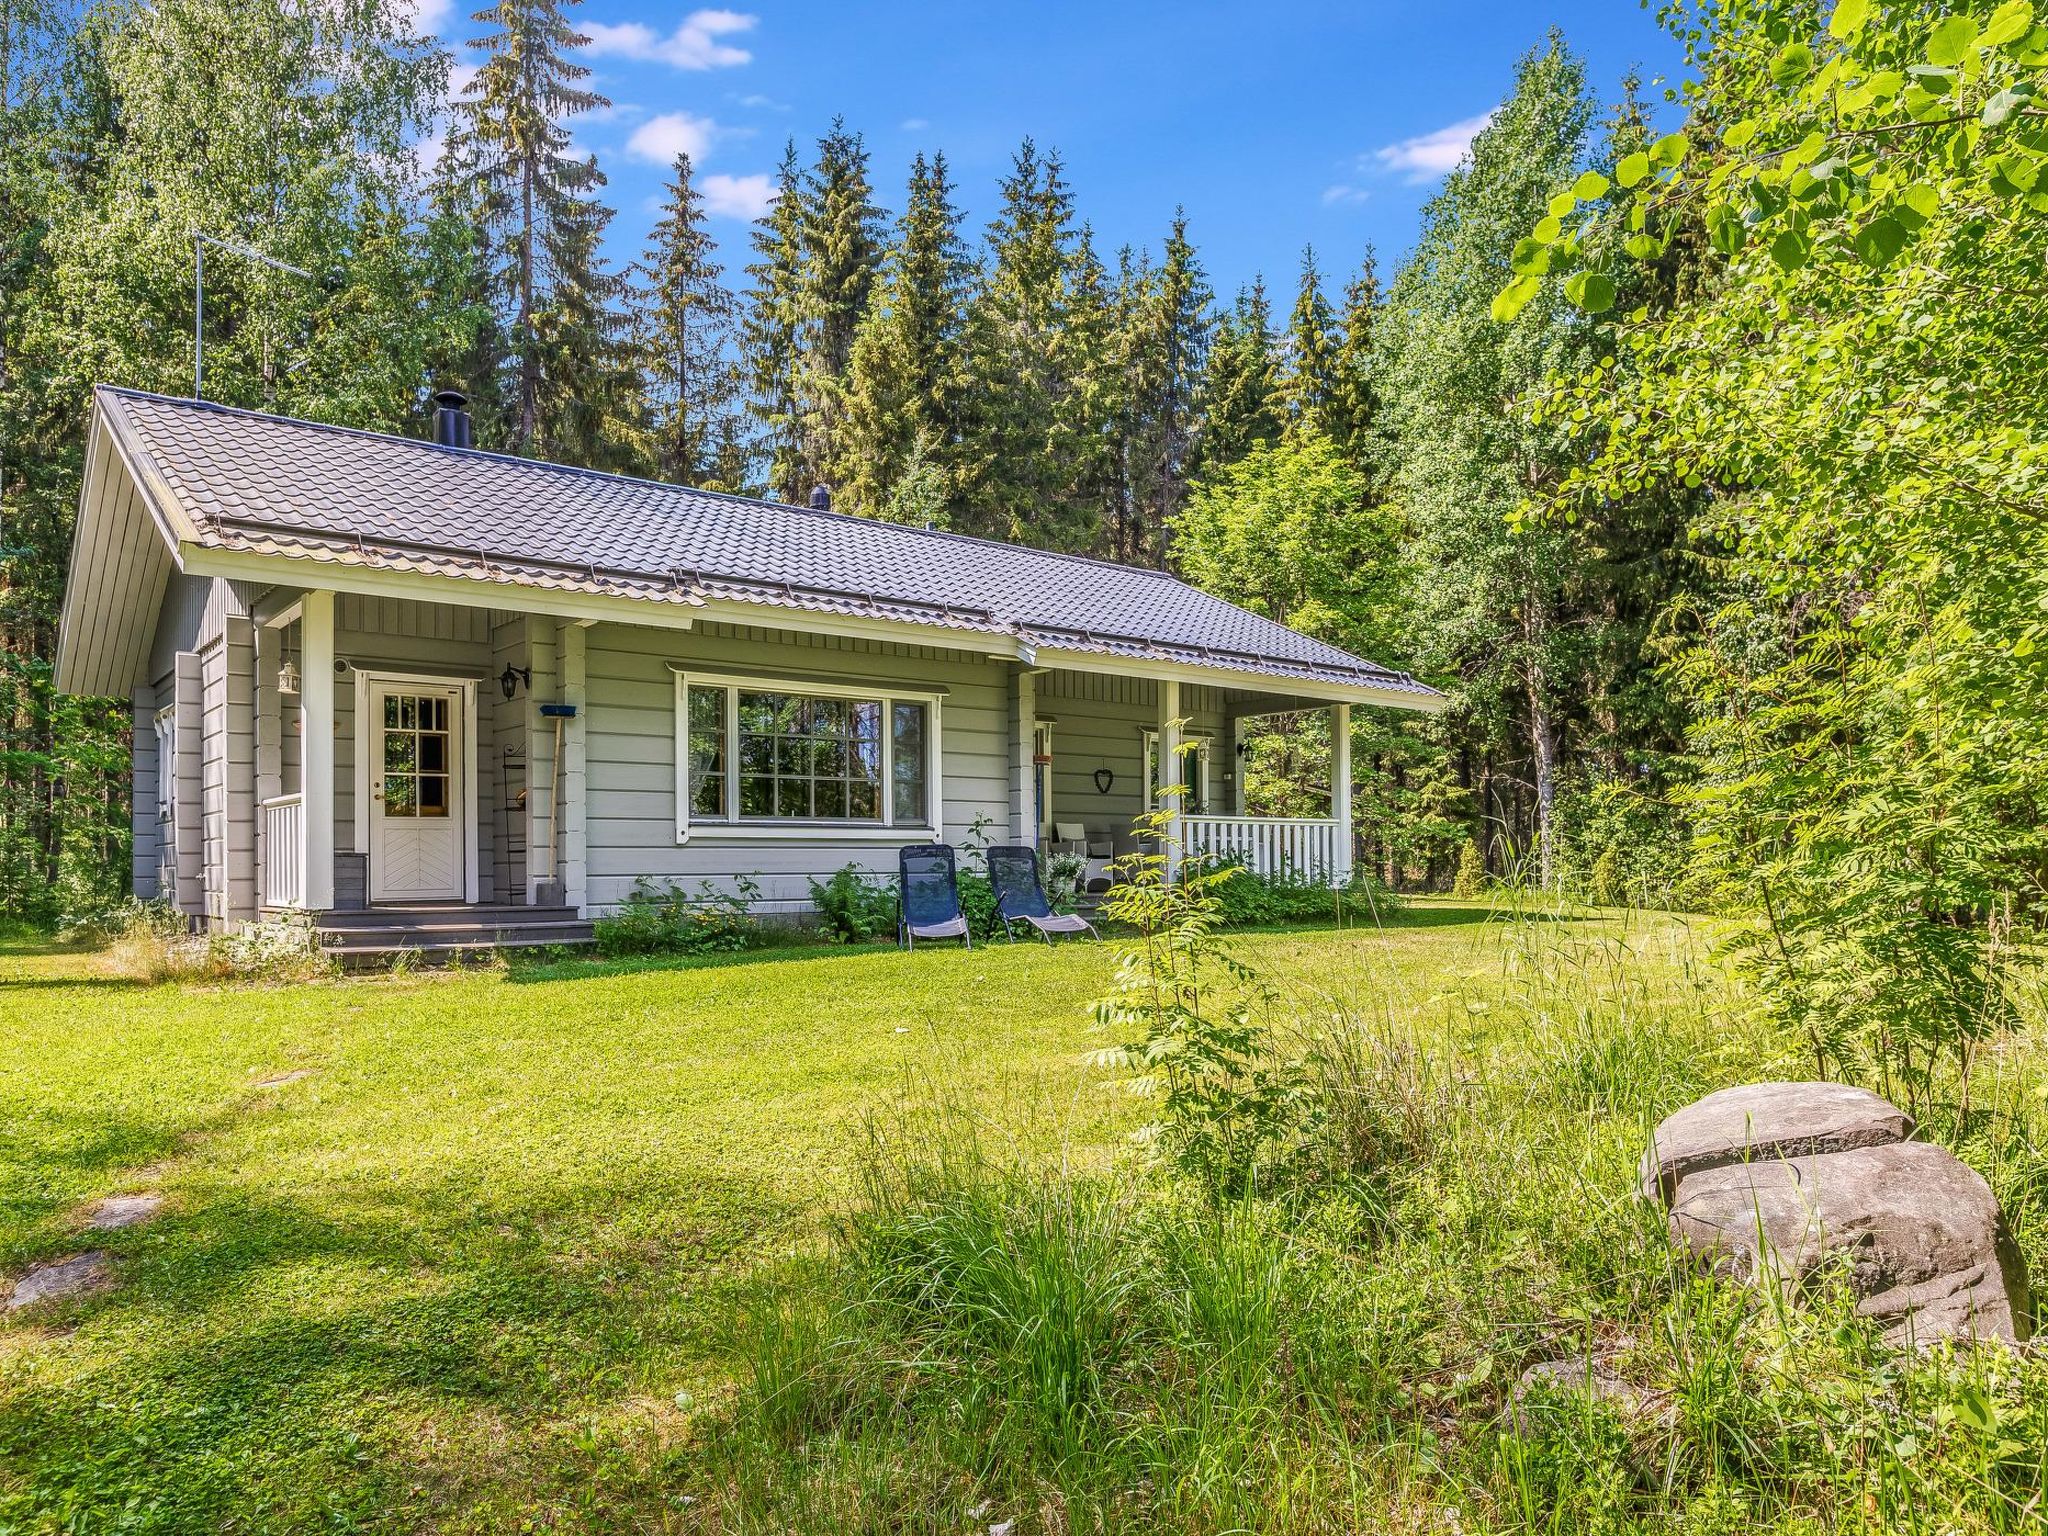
(288, 679)
(512, 677)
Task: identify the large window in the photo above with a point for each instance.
(755, 756)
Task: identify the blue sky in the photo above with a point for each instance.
(1275, 127)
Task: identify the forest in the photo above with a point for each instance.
(1701, 467)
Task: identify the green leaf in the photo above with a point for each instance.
(1633, 168)
(1881, 240)
(1511, 300)
(1724, 229)
(2009, 23)
(1589, 186)
(1917, 204)
(1561, 206)
(1735, 138)
(1591, 291)
(2002, 106)
(1641, 247)
(1669, 152)
(1792, 65)
(1548, 229)
(1951, 40)
(1848, 18)
(1790, 250)
(1531, 257)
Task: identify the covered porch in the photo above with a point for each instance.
(1110, 748)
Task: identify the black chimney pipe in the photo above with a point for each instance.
(451, 418)
(821, 498)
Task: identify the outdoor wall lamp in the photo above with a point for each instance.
(512, 677)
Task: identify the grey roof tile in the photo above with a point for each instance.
(300, 489)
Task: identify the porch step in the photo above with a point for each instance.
(429, 931)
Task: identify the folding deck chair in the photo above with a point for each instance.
(928, 896)
(1020, 895)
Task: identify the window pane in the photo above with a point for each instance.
(433, 794)
(707, 752)
(831, 798)
(434, 752)
(391, 711)
(907, 762)
(757, 795)
(792, 797)
(398, 799)
(399, 751)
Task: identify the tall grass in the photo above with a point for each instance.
(997, 1337)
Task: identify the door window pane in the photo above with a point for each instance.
(419, 757)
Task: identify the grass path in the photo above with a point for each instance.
(456, 1276)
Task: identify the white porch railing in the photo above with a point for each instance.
(284, 851)
(1298, 847)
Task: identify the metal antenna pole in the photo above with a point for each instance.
(200, 242)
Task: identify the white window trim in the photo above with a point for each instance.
(1203, 744)
(731, 827)
(167, 763)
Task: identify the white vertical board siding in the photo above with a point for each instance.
(145, 861)
(238, 782)
(189, 828)
(388, 634)
(630, 755)
(213, 779)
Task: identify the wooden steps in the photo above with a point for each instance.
(445, 931)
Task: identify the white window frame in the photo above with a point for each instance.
(1204, 745)
(167, 763)
(732, 826)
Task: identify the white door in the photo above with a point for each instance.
(418, 840)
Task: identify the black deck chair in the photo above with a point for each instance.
(928, 896)
(1020, 895)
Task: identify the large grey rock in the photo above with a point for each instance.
(1918, 1234)
(1766, 1120)
(79, 1275)
(123, 1211)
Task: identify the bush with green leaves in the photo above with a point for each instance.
(1193, 1021)
(1470, 880)
(854, 906)
(667, 920)
(1246, 899)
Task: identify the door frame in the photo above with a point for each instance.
(465, 687)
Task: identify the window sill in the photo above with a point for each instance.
(800, 831)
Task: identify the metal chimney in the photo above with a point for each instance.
(821, 498)
(451, 418)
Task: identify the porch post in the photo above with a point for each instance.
(573, 660)
(1340, 792)
(1170, 775)
(316, 751)
(1023, 814)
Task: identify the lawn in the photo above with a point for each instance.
(498, 1259)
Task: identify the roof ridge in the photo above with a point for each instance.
(518, 461)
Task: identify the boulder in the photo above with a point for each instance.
(80, 1275)
(1593, 1379)
(1917, 1234)
(1766, 1120)
(123, 1211)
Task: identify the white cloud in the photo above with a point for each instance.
(760, 103)
(696, 44)
(660, 139)
(1344, 195)
(915, 124)
(460, 78)
(738, 197)
(429, 16)
(1430, 155)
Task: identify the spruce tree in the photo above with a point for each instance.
(686, 317)
(1308, 377)
(1240, 402)
(842, 246)
(1020, 370)
(566, 377)
(1172, 341)
(772, 330)
(1352, 418)
(903, 392)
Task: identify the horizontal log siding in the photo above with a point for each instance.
(631, 752)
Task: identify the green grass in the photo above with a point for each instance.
(616, 1247)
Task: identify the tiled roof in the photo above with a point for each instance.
(270, 484)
